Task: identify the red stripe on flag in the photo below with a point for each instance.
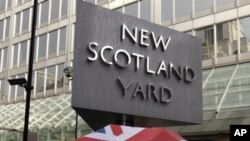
(117, 130)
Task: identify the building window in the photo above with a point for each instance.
(50, 83)
(1, 29)
(40, 81)
(203, 6)
(145, 10)
(64, 9)
(207, 36)
(166, 10)
(2, 5)
(23, 53)
(224, 2)
(20, 90)
(183, 8)
(3, 59)
(18, 23)
(244, 35)
(53, 39)
(62, 43)
(55, 4)
(42, 47)
(14, 55)
(12, 89)
(4, 29)
(60, 76)
(2, 89)
(44, 13)
(25, 20)
(132, 9)
(7, 28)
(226, 39)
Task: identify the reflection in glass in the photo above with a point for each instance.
(166, 10)
(42, 46)
(239, 90)
(244, 35)
(132, 9)
(50, 83)
(40, 75)
(227, 39)
(207, 37)
(53, 42)
(183, 8)
(60, 76)
(145, 9)
(216, 85)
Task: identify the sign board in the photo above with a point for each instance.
(125, 65)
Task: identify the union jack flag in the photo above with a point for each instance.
(126, 133)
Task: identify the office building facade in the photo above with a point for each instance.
(223, 26)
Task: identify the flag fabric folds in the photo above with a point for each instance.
(126, 133)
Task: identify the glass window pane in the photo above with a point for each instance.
(201, 5)
(2, 5)
(226, 39)
(2, 88)
(50, 83)
(55, 9)
(20, 90)
(1, 29)
(183, 8)
(145, 9)
(60, 76)
(25, 22)
(64, 8)
(62, 43)
(42, 46)
(44, 12)
(5, 57)
(40, 75)
(18, 18)
(23, 53)
(132, 9)
(7, 28)
(223, 2)
(53, 42)
(207, 36)
(12, 89)
(9, 3)
(14, 57)
(245, 35)
(166, 10)
(19, 2)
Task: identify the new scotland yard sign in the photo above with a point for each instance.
(125, 65)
